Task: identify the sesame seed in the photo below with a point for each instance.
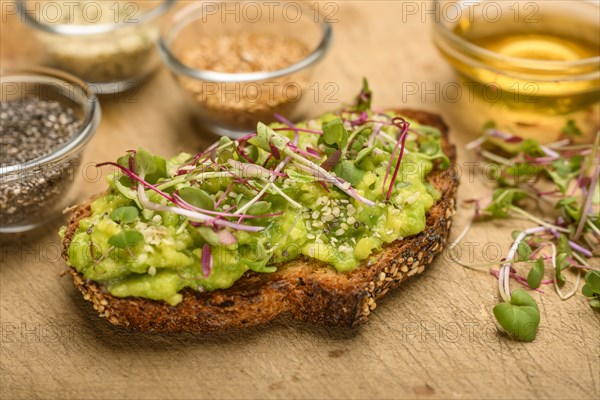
(339, 232)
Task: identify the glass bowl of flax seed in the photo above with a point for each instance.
(245, 62)
(47, 117)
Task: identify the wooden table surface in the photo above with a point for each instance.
(433, 338)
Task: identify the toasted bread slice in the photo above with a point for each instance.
(305, 288)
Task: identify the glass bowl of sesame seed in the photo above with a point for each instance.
(245, 62)
(47, 117)
(109, 44)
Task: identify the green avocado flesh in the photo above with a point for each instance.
(154, 251)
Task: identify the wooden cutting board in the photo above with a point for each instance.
(433, 338)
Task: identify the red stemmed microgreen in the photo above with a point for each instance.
(561, 175)
(402, 126)
(207, 260)
(232, 191)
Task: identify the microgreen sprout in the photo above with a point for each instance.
(504, 274)
(402, 125)
(232, 194)
(591, 288)
(207, 260)
(559, 174)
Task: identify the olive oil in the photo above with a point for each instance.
(541, 47)
(553, 64)
(523, 77)
(530, 67)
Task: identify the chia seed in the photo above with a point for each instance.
(30, 129)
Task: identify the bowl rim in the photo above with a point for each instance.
(193, 11)
(76, 143)
(92, 29)
(476, 51)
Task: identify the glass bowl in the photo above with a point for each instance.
(109, 44)
(35, 191)
(529, 64)
(241, 67)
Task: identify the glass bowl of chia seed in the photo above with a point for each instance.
(47, 117)
(241, 63)
(109, 44)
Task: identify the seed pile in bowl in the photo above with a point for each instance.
(238, 104)
(123, 54)
(30, 129)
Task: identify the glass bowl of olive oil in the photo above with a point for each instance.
(536, 57)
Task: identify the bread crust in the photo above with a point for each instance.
(308, 290)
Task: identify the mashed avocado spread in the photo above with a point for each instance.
(330, 189)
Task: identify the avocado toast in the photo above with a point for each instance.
(309, 219)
